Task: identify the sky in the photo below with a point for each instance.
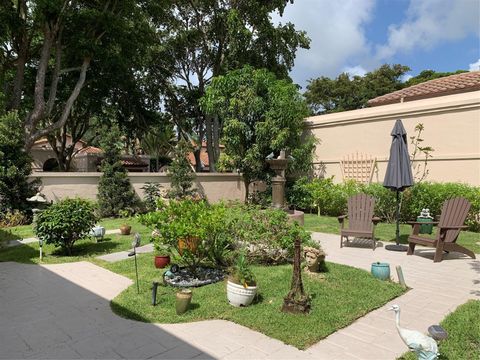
(357, 36)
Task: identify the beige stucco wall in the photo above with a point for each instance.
(452, 128)
(59, 185)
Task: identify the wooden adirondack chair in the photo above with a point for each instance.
(361, 222)
(454, 213)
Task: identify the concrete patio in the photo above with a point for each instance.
(62, 311)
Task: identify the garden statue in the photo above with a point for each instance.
(424, 346)
(314, 258)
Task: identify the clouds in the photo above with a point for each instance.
(336, 29)
(428, 23)
(475, 66)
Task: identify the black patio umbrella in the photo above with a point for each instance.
(399, 173)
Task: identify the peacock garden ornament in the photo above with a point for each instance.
(424, 346)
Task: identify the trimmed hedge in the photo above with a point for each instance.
(326, 198)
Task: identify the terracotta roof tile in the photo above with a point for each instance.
(453, 84)
(90, 150)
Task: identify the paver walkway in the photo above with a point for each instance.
(62, 311)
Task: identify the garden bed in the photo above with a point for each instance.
(344, 295)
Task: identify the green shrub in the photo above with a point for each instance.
(181, 225)
(433, 195)
(15, 166)
(181, 173)
(13, 218)
(266, 234)
(115, 193)
(152, 193)
(330, 199)
(217, 230)
(65, 222)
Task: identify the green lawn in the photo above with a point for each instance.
(345, 294)
(463, 329)
(385, 232)
(26, 231)
(85, 249)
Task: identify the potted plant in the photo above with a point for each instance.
(180, 225)
(162, 255)
(380, 270)
(125, 229)
(241, 284)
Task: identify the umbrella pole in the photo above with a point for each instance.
(397, 231)
(397, 246)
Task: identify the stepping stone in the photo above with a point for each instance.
(122, 255)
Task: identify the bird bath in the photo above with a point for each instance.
(279, 165)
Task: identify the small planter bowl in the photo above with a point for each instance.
(125, 229)
(161, 261)
(381, 270)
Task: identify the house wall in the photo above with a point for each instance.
(452, 128)
(59, 185)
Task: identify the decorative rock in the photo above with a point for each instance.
(184, 278)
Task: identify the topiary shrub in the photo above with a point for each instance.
(115, 192)
(181, 173)
(65, 222)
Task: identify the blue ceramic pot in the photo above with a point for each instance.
(381, 270)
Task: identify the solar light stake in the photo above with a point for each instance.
(135, 244)
(154, 293)
(40, 243)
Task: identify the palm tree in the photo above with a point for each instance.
(158, 143)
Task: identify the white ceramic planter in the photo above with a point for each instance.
(98, 232)
(240, 296)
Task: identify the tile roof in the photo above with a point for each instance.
(453, 84)
(90, 150)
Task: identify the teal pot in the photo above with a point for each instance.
(381, 270)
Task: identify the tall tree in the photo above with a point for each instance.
(49, 46)
(427, 75)
(325, 95)
(261, 115)
(210, 37)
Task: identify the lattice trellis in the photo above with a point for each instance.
(359, 167)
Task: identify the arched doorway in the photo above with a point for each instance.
(50, 165)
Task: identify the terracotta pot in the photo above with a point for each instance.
(190, 243)
(125, 229)
(161, 261)
(182, 302)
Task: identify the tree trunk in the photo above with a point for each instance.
(210, 144)
(22, 43)
(198, 160)
(296, 301)
(246, 183)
